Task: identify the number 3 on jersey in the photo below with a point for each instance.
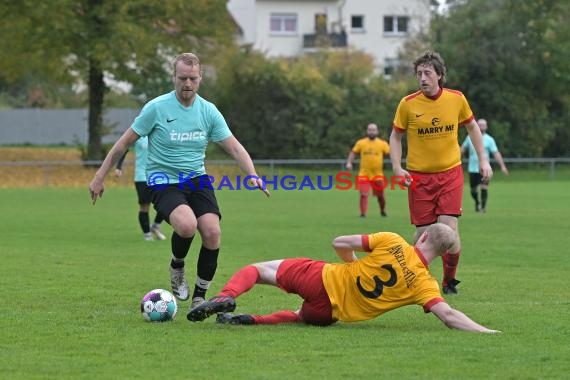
(379, 288)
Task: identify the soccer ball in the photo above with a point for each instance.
(158, 305)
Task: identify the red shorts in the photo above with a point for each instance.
(305, 278)
(435, 194)
(377, 183)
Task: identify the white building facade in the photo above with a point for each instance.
(294, 27)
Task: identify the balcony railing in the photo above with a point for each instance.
(315, 41)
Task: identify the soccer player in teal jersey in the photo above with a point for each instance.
(144, 192)
(475, 180)
(179, 126)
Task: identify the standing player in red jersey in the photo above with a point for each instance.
(430, 119)
(371, 150)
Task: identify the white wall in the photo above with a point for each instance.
(289, 45)
(243, 12)
(372, 39)
(254, 17)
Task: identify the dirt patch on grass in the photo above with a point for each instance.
(39, 154)
(31, 167)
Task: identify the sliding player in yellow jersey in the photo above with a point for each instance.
(430, 118)
(390, 275)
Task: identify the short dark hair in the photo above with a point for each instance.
(435, 60)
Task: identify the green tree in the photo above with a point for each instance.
(275, 107)
(308, 107)
(91, 41)
(510, 59)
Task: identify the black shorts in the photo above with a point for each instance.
(475, 179)
(199, 195)
(144, 193)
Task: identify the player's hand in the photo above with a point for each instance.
(96, 189)
(258, 182)
(118, 172)
(486, 171)
(349, 165)
(505, 171)
(401, 173)
(493, 332)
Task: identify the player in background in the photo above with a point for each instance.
(475, 180)
(144, 193)
(430, 119)
(179, 126)
(371, 150)
(390, 275)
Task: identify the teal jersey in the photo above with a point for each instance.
(490, 148)
(178, 136)
(141, 155)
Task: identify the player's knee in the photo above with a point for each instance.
(211, 235)
(185, 230)
(267, 271)
(449, 221)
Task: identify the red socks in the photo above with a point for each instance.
(363, 204)
(245, 279)
(382, 201)
(450, 262)
(284, 316)
(241, 282)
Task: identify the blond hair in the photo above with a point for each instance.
(442, 238)
(189, 59)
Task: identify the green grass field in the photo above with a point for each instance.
(73, 274)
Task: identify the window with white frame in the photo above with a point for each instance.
(357, 23)
(391, 65)
(283, 23)
(396, 25)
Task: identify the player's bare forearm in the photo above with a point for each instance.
(349, 160)
(234, 148)
(236, 151)
(97, 187)
(346, 254)
(396, 157)
(499, 157)
(245, 163)
(396, 150)
(462, 322)
(110, 161)
(117, 152)
(119, 164)
(477, 140)
(345, 246)
(455, 319)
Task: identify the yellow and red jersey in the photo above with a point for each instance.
(392, 275)
(431, 125)
(371, 156)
